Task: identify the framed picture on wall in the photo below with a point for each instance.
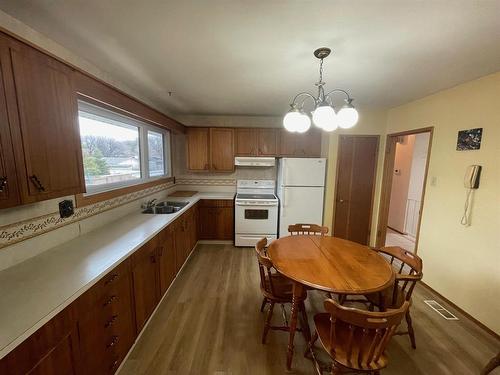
(469, 139)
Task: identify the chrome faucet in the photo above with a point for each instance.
(149, 204)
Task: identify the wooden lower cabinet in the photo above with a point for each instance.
(53, 349)
(145, 281)
(94, 334)
(216, 219)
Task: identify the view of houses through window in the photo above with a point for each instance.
(112, 148)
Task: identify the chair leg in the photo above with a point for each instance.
(267, 326)
(411, 333)
(283, 312)
(264, 302)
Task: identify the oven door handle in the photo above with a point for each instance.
(255, 204)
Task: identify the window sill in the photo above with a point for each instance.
(85, 200)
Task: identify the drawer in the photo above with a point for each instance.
(216, 203)
(109, 285)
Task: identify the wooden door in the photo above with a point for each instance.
(145, 281)
(197, 149)
(166, 259)
(268, 142)
(246, 142)
(9, 193)
(222, 149)
(357, 160)
(47, 141)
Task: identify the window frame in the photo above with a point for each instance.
(143, 128)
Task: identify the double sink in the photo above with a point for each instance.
(165, 208)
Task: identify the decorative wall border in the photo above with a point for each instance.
(23, 230)
(206, 181)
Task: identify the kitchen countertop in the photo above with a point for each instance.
(36, 290)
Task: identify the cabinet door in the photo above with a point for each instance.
(197, 149)
(53, 349)
(268, 142)
(9, 194)
(309, 144)
(222, 149)
(216, 219)
(145, 282)
(207, 224)
(287, 143)
(166, 259)
(47, 141)
(246, 142)
(225, 223)
(180, 243)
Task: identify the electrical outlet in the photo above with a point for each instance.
(66, 208)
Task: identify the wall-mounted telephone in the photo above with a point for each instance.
(472, 174)
(471, 182)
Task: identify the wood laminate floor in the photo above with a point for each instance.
(210, 323)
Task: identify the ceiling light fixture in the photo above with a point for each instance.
(323, 113)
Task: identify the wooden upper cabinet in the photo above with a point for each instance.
(300, 145)
(268, 142)
(47, 141)
(222, 149)
(256, 142)
(198, 149)
(9, 193)
(247, 142)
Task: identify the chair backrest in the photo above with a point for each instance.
(368, 332)
(265, 266)
(409, 268)
(307, 229)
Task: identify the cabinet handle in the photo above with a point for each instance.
(109, 301)
(160, 251)
(152, 258)
(111, 279)
(214, 167)
(35, 181)
(113, 365)
(206, 166)
(3, 183)
(110, 322)
(113, 342)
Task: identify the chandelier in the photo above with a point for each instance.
(324, 115)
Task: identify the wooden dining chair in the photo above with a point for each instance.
(307, 229)
(275, 288)
(355, 339)
(409, 271)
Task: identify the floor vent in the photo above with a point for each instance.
(440, 310)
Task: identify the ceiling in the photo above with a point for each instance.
(251, 57)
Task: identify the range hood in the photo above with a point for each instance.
(254, 161)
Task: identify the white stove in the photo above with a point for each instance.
(256, 212)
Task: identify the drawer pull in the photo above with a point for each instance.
(3, 183)
(109, 301)
(113, 365)
(113, 342)
(110, 322)
(111, 279)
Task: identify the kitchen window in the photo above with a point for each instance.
(119, 151)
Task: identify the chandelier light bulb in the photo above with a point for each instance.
(292, 120)
(325, 118)
(304, 124)
(347, 116)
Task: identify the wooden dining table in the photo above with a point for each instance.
(330, 264)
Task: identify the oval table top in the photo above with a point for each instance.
(331, 264)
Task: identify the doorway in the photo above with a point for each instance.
(355, 186)
(405, 174)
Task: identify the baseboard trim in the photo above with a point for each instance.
(215, 242)
(467, 315)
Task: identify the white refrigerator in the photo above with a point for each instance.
(301, 190)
